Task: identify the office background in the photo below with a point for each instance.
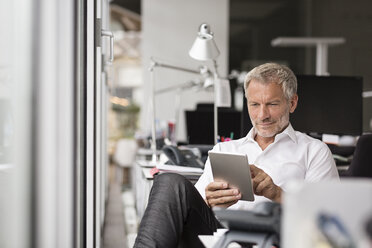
(58, 92)
(251, 25)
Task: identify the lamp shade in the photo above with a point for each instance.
(204, 47)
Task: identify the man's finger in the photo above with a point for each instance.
(254, 170)
(263, 185)
(216, 185)
(260, 176)
(222, 193)
(223, 200)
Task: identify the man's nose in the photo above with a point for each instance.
(263, 113)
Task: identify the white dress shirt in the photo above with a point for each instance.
(292, 156)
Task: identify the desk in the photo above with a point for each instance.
(144, 180)
(142, 186)
(146, 154)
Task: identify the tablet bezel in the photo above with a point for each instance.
(234, 169)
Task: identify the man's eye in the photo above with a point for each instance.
(273, 104)
(253, 104)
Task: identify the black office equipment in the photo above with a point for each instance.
(199, 124)
(329, 104)
(203, 149)
(246, 123)
(260, 226)
(361, 164)
(326, 105)
(369, 228)
(183, 157)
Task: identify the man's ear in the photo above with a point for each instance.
(293, 103)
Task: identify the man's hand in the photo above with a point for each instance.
(218, 193)
(264, 185)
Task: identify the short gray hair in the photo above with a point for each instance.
(272, 72)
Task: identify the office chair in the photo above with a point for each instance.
(361, 164)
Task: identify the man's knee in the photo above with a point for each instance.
(171, 179)
(170, 186)
(174, 181)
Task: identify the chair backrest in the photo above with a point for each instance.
(361, 165)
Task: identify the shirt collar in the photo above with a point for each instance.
(288, 131)
(251, 134)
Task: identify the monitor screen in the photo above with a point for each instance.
(200, 127)
(326, 105)
(329, 104)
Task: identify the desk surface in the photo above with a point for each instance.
(145, 151)
(147, 173)
(145, 163)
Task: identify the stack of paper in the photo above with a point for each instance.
(181, 169)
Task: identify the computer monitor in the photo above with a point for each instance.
(199, 124)
(326, 105)
(329, 105)
(246, 123)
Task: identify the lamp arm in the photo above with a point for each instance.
(176, 87)
(153, 124)
(202, 71)
(215, 109)
(158, 64)
(215, 68)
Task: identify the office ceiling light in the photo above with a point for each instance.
(204, 47)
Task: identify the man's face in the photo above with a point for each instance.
(268, 108)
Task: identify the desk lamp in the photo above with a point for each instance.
(205, 49)
(202, 71)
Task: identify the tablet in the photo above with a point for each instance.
(234, 169)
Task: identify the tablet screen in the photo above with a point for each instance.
(234, 169)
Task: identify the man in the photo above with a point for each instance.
(176, 214)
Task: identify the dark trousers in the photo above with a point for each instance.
(175, 215)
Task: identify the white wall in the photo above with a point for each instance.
(169, 28)
(6, 47)
(15, 91)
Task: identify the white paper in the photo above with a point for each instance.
(330, 139)
(177, 168)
